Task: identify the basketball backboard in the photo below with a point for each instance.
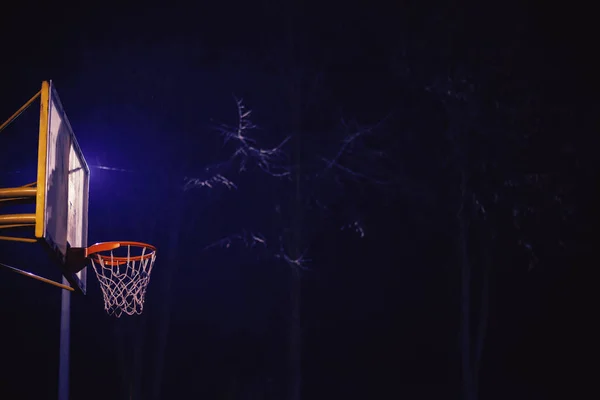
(60, 193)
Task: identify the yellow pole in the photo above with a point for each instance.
(17, 219)
(18, 239)
(19, 111)
(39, 278)
(40, 203)
(23, 191)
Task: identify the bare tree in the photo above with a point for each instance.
(312, 182)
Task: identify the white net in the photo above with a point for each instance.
(124, 279)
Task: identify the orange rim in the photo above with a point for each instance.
(96, 249)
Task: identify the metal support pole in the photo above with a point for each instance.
(65, 343)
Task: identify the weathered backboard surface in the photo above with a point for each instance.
(62, 182)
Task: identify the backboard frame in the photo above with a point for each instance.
(51, 114)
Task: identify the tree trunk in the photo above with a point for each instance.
(483, 318)
(471, 346)
(295, 336)
(291, 66)
(468, 383)
(139, 334)
(171, 264)
(129, 335)
(295, 323)
(468, 379)
(296, 242)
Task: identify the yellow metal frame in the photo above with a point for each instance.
(40, 200)
(37, 277)
(33, 192)
(19, 111)
(26, 193)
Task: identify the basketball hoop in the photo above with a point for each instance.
(123, 270)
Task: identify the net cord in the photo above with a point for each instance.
(124, 284)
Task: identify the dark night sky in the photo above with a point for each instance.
(146, 88)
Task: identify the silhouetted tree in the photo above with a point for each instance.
(506, 199)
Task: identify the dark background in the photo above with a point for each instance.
(146, 87)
